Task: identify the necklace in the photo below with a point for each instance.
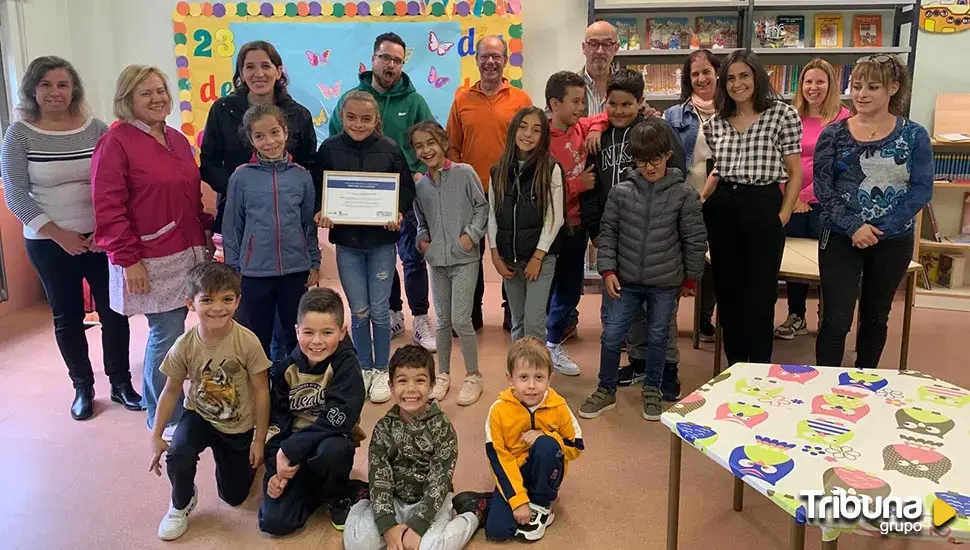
(874, 129)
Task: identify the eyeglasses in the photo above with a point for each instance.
(881, 59)
(390, 59)
(652, 162)
(491, 56)
(596, 45)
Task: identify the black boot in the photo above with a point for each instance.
(125, 394)
(629, 375)
(83, 406)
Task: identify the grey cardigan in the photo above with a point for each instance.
(445, 210)
(653, 233)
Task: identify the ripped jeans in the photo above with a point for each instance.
(366, 276)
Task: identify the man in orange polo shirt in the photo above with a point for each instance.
(477, 126)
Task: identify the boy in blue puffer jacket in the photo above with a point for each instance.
(268, 231)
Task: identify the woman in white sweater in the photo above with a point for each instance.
(46, 166)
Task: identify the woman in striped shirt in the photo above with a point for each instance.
(46, 164)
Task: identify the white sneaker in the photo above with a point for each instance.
(176, 522)
(471, 389)
(561, 360)
(397, 323)
(424, 333)
(368, 379)
(169, 432)
(380, 388)
(536, 528)
(442, 383)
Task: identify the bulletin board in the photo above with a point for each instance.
(326, 45)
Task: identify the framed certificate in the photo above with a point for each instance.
(360, 198)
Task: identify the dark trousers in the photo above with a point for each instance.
(747, 241)
(266, 298)
(567, 283)
(806, 225)
(879, 269)
(230, 452)
(323, 477)
(708, 298)
(62, 276)
(415, 271)
(541, 474)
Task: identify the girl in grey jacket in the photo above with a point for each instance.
(268, 232)
(452, 212)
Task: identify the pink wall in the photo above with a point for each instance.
(23, 286)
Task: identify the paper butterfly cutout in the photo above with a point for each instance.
(407, 54)
(330, 92)
(315, 59)
(322, 119)
(362, 69)
(437, 46)
(438, 81)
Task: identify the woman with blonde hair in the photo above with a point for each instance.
(148, 210)
(819, 103)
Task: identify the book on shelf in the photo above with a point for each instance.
(952, 166)
(828, 31)
(668, 33)
(924, 278)
(965, 216)
(792, 30)
(715, 31)
(626, 30)
(867, 31)
(769, 33)
(935, 230)
(930, 261)
(952, 138)
(951, 270)
(784, 78)
(659, 79)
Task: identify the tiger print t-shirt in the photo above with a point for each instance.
(219, 389)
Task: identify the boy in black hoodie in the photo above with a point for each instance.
(624, 101)
(316, 398)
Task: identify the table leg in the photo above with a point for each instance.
(796, 535)
(738, 494)
(697, 316)
(907, 319)
(830, 545)
(718, 344)
(673, 492)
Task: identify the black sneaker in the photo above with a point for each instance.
(507, 320)
(339, 510)
(632, 373)
(707, 331)
(670, 384)
(470, 501)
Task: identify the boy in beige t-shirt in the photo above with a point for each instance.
(227, 405)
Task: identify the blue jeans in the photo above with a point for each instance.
(806, 225)
(659, 303)
(415, 270)
(542, 475)
(567, 284)
(366, 276)
(163, 330)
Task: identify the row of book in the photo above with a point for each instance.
(721, 31)
(665, 79)
(952, 166)
(943, 269)
(784, 78)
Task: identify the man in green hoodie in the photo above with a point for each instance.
(401, 106)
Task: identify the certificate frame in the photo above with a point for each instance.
(377, 201)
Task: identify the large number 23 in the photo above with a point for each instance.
(224, 45)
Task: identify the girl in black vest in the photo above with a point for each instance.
(525, 197)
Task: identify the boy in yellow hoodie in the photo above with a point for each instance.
(530, 437)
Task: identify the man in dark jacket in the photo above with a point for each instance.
(401, 106)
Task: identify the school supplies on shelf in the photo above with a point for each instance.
(668, 33)
(867, 31)
(828, 31)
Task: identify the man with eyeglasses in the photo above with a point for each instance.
(477, 127)
(401, 106)
(599, 46)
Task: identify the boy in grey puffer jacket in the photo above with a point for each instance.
(652, 241)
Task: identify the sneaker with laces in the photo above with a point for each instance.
(442, 383)
(561, 360)
(793, 326)
(476, 503)
(339, 510)
(670, 383)
(368, 379)
(707, 331)
(380, 388)
(397, 323)
(632, 373)
(471, 389)
(176, 521)
(424, 333)
(541, 519)
(601, 401)
(652, 404)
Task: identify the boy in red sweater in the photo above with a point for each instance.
(566, 102)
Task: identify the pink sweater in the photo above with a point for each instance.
(812, 127)
(147, 198)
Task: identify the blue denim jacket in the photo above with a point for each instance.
(686, 123)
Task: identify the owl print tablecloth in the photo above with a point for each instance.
(785, 429)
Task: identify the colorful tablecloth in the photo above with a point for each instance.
(785, 429)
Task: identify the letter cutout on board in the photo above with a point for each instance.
(466, 45)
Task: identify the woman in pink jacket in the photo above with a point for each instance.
(818, 101)
(149, 216)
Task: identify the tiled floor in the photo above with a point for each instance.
(67, 484)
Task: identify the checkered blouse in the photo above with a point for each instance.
(757, 155)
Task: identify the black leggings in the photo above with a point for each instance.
(880, 269)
